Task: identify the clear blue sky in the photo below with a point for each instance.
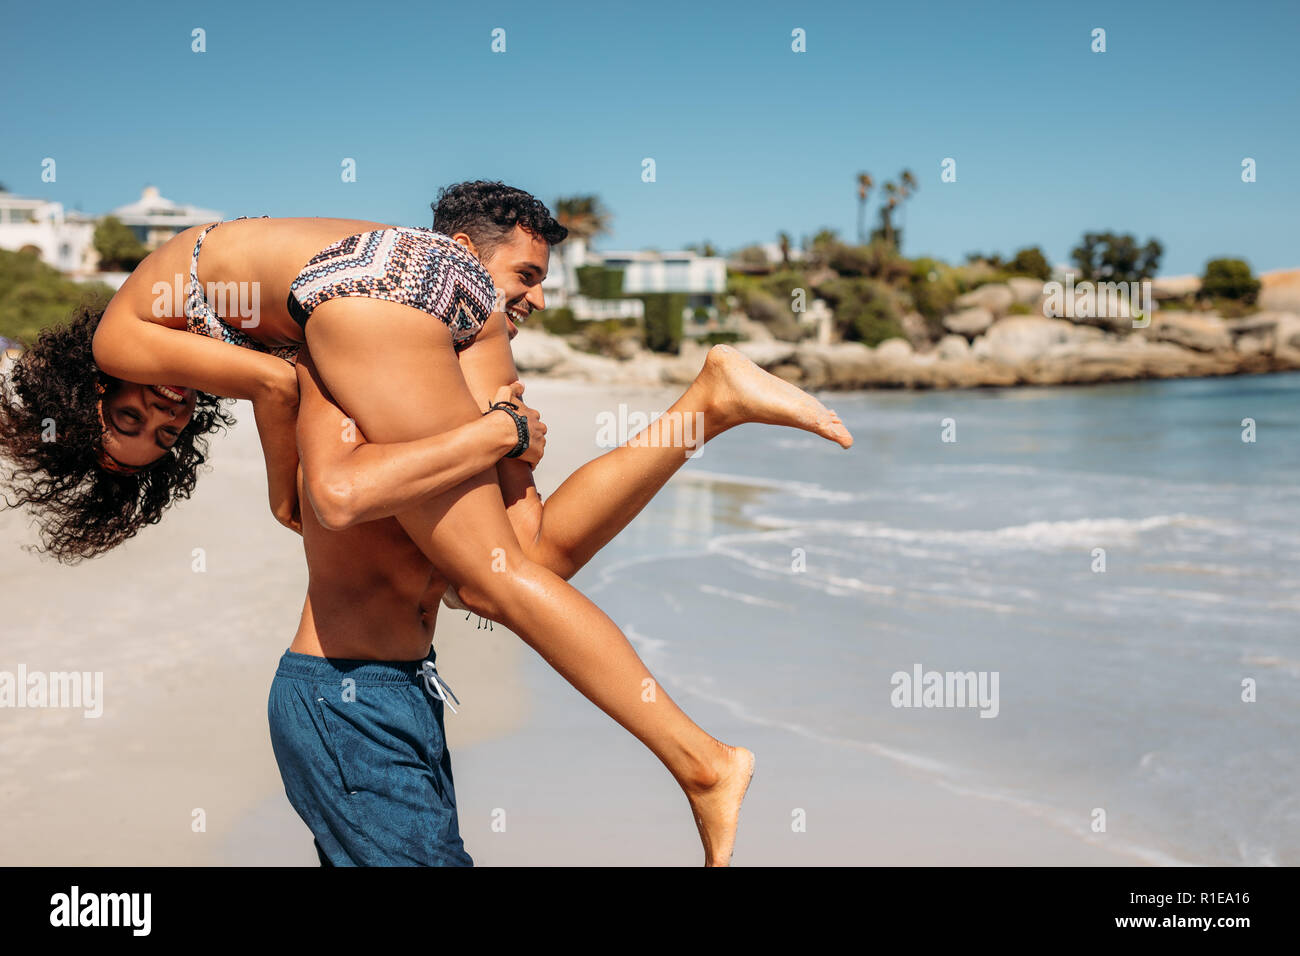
(749, 138)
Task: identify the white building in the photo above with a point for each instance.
(154, 219)
(63, 240)
(703, 279)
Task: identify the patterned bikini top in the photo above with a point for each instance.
(202, 319)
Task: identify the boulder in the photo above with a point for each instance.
(1175, 287)
(767, 354)
(894, 350)
(751, 330)
(1025, 291)
(1203, 333)
(953, 347)
(842, 365)
(629, 348)
(1102, 305)
(1288, 331)
(1280, 290)
(1019, 338)
(995, 297)
(916, 330)
(537, 351)
(969, 322)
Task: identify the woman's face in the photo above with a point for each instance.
(141, 422)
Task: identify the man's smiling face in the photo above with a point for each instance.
(518, 265)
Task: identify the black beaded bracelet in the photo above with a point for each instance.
(521, 426)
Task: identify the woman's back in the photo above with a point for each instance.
(245, 268)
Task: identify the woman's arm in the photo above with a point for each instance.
(137, 350)
(350, 481)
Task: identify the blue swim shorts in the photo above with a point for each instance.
(364, 761)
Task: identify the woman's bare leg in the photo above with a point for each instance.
(598, 500)
(392, 369)
(602, 497)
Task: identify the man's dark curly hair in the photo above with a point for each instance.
(488, 212)
(81, 509)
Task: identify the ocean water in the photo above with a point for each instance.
(792, 580)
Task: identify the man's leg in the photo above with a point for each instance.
(364, 763)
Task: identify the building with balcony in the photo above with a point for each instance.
(154, 219)
(62, 240)
(701, 279)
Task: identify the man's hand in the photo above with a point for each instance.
(536, 430)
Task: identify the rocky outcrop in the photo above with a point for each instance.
(1013, 350)
(953, 348)
(969, 322)
(1025, 291)
(536, 351)
(1203, 333)
(1019, 338)
(1279, 291)
(915, 329)
(1175, 287)
(994, 296)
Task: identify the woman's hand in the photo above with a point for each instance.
(275, 407)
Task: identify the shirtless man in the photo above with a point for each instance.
(356, 709)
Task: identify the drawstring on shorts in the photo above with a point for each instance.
(436, 686)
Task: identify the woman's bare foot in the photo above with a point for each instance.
(717, 807)
(743, 392)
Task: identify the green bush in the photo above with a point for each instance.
(663, 320)
(34, 295)
(1030, 261)
(1107, 257)
(865, 309)
(119, 250)
(876, 260)
(597, 282)
(934, 288)
(719, 338)
(558, 321)
(603, 337)
(781, 285)
(773, 311)
(1229, 279)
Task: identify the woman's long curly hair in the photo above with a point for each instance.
(50, 438)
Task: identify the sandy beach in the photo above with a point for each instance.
(188, 656)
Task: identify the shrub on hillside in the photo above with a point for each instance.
(865, 309)
(934, 288)
(558, 321)
(34, 296)
(1229, 279)
(119, 250)
(663, 320)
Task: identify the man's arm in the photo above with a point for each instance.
(349, 480)
(487, 365)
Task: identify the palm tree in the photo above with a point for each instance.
(784, 239)
(909, 186)
(887, 211)
(584, 216)
(865, 182)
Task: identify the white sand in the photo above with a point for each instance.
(188, 659)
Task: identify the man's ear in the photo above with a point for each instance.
(467, 242)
